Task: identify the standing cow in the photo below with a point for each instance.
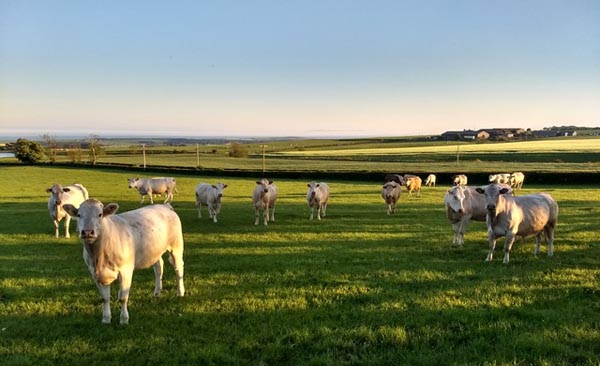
(413, 184)
(115, 245)
(209, 195)
(516, 180)
(500, 178)
(390, 192)
(264, 197)
(74, 194)
(431, 180)
(463, 204)
(151, 186)
(459, 180)
(317, 197)
(511, 216)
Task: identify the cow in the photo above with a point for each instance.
(459, 180)
(413, 184)
(264, 197)
(209, 195)
(516, 180)
(390, 192)
(394, 178)
(74, 194)
(430, 181)
(463, 204)
(151, 186)
(500, 178)
(317, 197)
(114, 245)
(510, 216)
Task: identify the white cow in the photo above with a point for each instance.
(390, 192)
(500, 178)
(516, 180)
(459, 180)
(463, 204)
(151, 186)
(210, 195)
(59, 196)
(431, 180)
(264, 197)
(511, 216)
(115, 245)
(317, 197)
(413, 184)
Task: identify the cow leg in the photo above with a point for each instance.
(312, 212)
(319, 212)
(266, 215)
(176, 259)
(67, 223)
(256, 215)
(538, 241)
(169, 196)
(56, 231)
(550, 240)
(199, 210)
(105, 294)
(158, 273)
(324, 210)
(456, 229)
(492, 240)
(214, 215)
(150, 196)
(510, 239)
(272, 209)
(125, 281)
(142, 201)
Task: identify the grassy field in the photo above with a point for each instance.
(357, 288)
(374, 155)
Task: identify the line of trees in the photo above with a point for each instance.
(29, 152)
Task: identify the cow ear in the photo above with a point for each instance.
(110, 209)
(215, 187)
(504, 190)
(66, 189)
(480, 190)
(48, 190)
(70, 209)
(308, 185)
(136, 179)
(270, 182)
(258, 182)
(224, 185)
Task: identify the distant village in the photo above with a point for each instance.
(508, 134)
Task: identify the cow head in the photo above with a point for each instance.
(133, 182)
(312, 186)
(265, 184)
(89, 218)
(388, 189)
(492, 193)
(219, 187)
(57, 191)
(455, 198)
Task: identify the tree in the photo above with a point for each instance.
(238, 151)
(51, 147)
(29, 152)
(95, 147)
(75, 153)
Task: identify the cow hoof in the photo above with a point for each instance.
(124, 321)
(105, 320)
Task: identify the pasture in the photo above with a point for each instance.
(357, 288)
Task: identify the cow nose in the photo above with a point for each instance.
(491, 207)
(58, 202)
(460, 210)
(220, 195)
(87, 233)
(266, 190)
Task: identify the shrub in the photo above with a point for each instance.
(29, 152)
(238, 151)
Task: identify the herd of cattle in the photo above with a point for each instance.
(114, 245)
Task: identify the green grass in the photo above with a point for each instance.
(357, 288)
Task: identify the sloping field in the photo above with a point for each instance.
(571, 145)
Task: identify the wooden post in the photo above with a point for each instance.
(197, 156)
(263, 159)
(144, 154)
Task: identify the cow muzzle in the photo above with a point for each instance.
(88, 235)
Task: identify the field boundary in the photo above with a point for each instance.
(443, 177)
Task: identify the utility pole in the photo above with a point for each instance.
(263, 159)
(457, 152)
(197, 156)
(144, 154)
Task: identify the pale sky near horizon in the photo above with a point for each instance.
(297, 68)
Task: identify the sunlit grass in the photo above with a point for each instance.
(358, 287)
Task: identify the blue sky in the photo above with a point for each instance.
(301, 68)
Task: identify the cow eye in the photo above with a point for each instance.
(78, 215)
(99, 215)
